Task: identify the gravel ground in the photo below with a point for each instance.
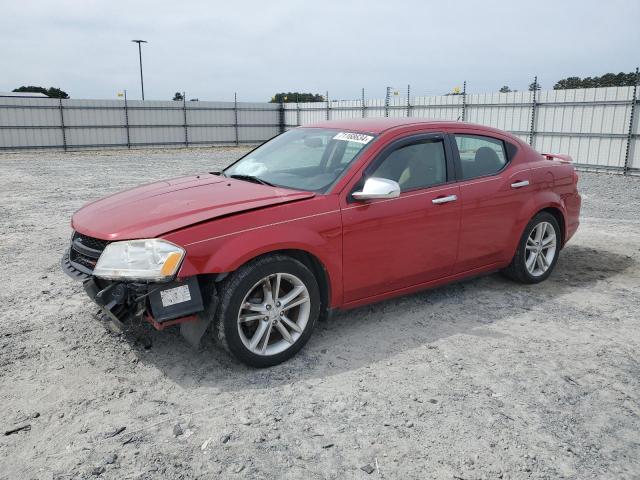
(482, 379)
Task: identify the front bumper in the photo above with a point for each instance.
(161, 304)
(71, 270)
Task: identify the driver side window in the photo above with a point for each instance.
(417, 165)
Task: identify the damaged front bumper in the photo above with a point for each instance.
(122, 303)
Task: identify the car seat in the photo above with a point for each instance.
(425, 167)
(486, 162)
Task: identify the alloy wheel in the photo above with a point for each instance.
(540, 249)
(274, 314)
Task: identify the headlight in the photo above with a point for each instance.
(148, 260)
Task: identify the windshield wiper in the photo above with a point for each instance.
(251, 178)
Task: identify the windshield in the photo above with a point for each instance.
(303, 158)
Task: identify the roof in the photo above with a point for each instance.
(377, 125)
(23, 94)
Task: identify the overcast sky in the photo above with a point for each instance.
(212, 49)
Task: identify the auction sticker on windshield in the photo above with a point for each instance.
(353, 137)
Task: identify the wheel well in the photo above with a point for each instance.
(313, 264)
(560, 219)
(318, 270)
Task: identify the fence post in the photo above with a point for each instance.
(282, 124)
(64, 134)
(184, 111)
(386, 102)
(235, 117)
(464, 101)
(634, 101)
(534, 104)
(126, 119)
(328, 115)
(363, 105)
(297, 111)
(408, 100)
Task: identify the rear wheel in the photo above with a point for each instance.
(268, 309)
(538, 250)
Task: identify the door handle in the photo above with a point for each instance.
(447, 199)
(521, 184)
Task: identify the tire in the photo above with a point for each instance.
(521, 269)
(244, 295)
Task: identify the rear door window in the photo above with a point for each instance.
(480, 156)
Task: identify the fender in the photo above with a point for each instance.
(319, 236)
(537, 202)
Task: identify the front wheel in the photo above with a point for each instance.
(538, 250)
(267, 311)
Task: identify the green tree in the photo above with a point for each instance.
(505, 89)
(607, 80)
(52, 92)
(178, 97)
(293, 97)
(534, 86)
(567, 83)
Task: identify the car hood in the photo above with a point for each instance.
(158, 208)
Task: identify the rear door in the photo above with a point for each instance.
(494, 186)
(390, 244)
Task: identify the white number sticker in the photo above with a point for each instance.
(175, 295)
(353, 137)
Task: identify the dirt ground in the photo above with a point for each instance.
(482, 379)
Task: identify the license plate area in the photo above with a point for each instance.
(175, 300)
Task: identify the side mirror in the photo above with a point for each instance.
(376, 187)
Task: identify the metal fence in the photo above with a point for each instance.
(44, 123)
(599, 127)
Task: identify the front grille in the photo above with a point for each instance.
(85, 251)
(83, 260)
(90, 242)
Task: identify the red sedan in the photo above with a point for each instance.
(323, 217)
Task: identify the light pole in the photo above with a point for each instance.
(139, 42)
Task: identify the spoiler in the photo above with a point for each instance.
(559, 157)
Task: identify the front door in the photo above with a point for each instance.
(390, 244)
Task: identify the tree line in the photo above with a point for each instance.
(607, 80)
(296, 97)
(51, 92)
